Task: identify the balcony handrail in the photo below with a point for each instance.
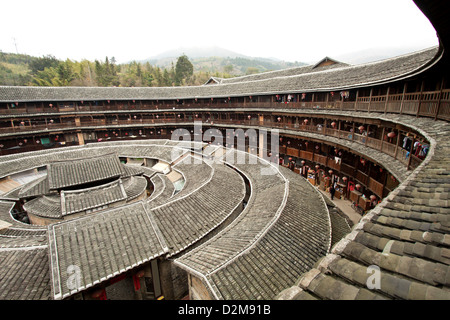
(418, 97)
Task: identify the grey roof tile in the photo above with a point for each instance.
(330, 79)
(102, 245)
(25, 275)
(81, 171)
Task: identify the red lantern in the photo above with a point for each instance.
(391, 134)
(99, 294)
(140, 273)
(333, 124)
(344, 178)
(330, 172)
(290, 159)
(361, 128)
(358, 186)
(305, 121)
(279, 118)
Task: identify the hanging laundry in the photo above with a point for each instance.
(407, 141)
(418, 150)
(345, 94)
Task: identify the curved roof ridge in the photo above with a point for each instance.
(348, 66)
(353, 76)
(84, 157)
(248, 243)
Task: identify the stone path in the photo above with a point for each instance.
(345, 206)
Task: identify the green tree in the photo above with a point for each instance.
(252, 70)
(183, 70)
(166, 80)
(65, 73)
(106, 73)
(47, 77)
(228, 68)
(39, 64)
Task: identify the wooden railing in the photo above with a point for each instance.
(377, 144)
(435, 104)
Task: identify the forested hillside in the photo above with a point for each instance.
(25, 70)
(21, 70)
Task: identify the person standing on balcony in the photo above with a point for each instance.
(332, 190)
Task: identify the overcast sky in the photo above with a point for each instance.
(290, 30)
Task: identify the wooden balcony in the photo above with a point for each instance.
(434, 104)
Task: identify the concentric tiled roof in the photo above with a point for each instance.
(304, 79)
(70, 173)
(202, 216)
(401, 249)
(101, 246)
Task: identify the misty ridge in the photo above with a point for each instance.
(197, 66)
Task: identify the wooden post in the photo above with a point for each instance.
(420, 101)
(396, 145)
(403, 97)
(410, 155)
(440, 98)
(356, 100)
(367, 134)
(387, 99)
(80, 138)
(370, 100)
(353, 133)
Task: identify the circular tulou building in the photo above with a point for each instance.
(221, 191)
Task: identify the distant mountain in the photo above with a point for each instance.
(220, 60)
(198, 52)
